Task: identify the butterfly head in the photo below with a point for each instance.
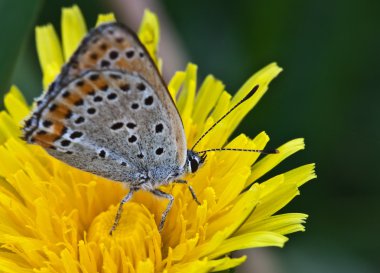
(194, 160)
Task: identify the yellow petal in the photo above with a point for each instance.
(249, 240)
(145, 267)
(186, 98)
(8, 127)
(261, 78)
(49, 53)
(218, 135)
(207, 97)
(277, 199)
(15, 151)
(270, 161)
(229, 263)
(184, 87)
(87, 257)
(176, 83)
(223, 226)
(242, 207)
(70, 263)
(282, 224)
(301, 174)
(184, 248)
(198, 266)
(10, 164)
(222, 105)
(15, 105)
(105, 18)
(14, 263)
(18, 94)
(278, 191)
(149, 33)
(73, 29)
(240, 163)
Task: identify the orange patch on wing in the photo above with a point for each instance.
(103, 46)
(100, 82)
(85, 66)
(45, 140)
(122, 63)
(89, 61)
(86, 89)
(72, 98)
(122, 42)
(59, 111)
(58, 129)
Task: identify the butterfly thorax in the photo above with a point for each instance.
(164, 175)
(150, 179)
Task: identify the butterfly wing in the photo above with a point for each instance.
(108, 108)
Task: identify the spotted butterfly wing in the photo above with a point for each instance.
(109, 111)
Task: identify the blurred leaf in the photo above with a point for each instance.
(16, 23)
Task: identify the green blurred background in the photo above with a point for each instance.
(328, 93)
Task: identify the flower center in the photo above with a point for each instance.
(135, 239)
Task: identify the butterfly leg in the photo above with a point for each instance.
(120, 210)
(180, 181)
(169, 206)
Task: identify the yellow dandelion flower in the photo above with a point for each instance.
(56, 218)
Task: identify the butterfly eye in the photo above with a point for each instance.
(194, 164)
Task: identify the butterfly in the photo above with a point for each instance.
(109, 113)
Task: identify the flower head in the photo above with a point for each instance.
(56, 218)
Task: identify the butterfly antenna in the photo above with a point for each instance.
(269, 151)
(250, 94)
